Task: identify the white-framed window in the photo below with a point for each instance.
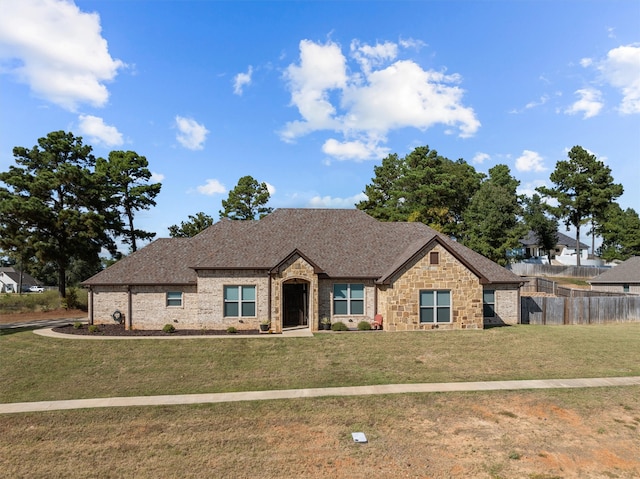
(174, 298)
(239, 301)
(489, 303)
(348, 298)
(435, 306)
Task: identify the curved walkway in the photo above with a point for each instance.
(315, 392)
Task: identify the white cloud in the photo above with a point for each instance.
(480, 158)
(98, 132)
(363, 101)
(331, 202)
(353, 150)
(241, 80)
(57, 50)
(529, 188)
(270, 188)
(156, 177)
(530, 161)
(621, 69)
(192, 134)
(590, 103)
(211, 187)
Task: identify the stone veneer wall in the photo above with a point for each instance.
(326, 301)
(399, 302)
(210, 314)
(295, 268)
(148, 306)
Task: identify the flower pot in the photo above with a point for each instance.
(325, 326)
(264, 327)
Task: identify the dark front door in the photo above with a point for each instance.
(295, 296)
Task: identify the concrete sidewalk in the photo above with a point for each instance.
(316, 392)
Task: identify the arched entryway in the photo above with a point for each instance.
(295, 303)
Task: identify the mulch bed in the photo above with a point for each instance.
(118, 330)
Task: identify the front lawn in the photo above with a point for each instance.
(36, 368)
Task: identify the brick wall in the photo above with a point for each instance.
(149, 308)
(326, 302)
(210, 314)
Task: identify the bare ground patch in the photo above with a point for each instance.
(538, 435)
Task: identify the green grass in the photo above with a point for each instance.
(37, 368)
(46, 301)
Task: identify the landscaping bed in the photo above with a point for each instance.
(118, 330)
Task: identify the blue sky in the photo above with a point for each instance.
(310, 96)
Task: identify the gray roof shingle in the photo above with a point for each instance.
(340, 243)
(625, 273)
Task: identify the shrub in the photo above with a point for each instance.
(231, 330)
(168, 328)
(93, 328)
(71, 301)
(77, 325)
(339, 326)
(364, 326)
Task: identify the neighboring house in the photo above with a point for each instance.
(563, 254)
(624, 278)
(10, 280)
(295, 266)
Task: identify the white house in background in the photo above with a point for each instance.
(10, 280)
(563, 254)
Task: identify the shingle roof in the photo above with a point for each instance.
(563, 239)
(625, 273)
(340, 243)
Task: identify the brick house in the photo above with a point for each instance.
(624, 278)
(295, 266)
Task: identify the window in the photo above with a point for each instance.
(174, 298)
(239, 301)
(489, 303)
(434, 257)
(348, 298)
(435, 306)
(625, 288)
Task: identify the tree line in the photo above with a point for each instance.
(486, 213)
(60, 206)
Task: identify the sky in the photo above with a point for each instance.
(309, 96)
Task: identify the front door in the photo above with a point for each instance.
(296, 304)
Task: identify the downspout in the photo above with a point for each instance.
(129, 308)
(90, 305)
(269, 295)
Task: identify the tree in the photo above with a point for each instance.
(128, 177)
(422, 186)
(544, 228)
(57, 202)
(584, 188)
(246, 200)
(492, 218)
(188, 229)
(620, 233)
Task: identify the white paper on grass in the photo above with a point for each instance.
(358, 437)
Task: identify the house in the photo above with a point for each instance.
(624, 278)
(296, 266)
(10, 280)
(564, 252)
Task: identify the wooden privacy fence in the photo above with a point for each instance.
(541, 285)
(589, 310)
(527, 269)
